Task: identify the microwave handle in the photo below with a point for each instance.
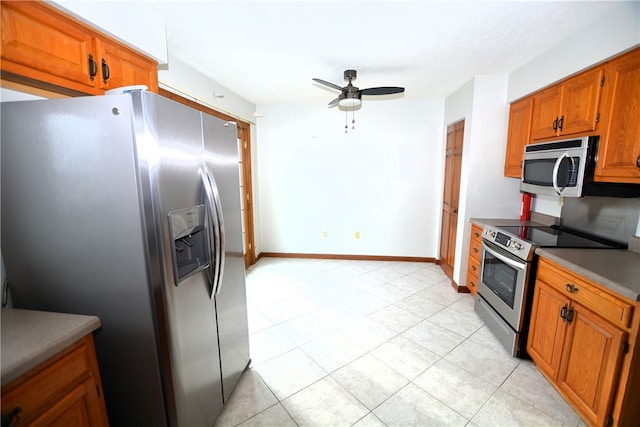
(556, 167)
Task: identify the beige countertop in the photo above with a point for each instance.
(31, 337)
(615, 269)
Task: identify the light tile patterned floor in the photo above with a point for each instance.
(368, 343)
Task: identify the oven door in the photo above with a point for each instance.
(503, 283)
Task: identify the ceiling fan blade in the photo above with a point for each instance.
(383, 90)
(334, 102)
(331, 85)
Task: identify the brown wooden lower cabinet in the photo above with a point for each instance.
(65, 390)
(473, 266)
(584, 340)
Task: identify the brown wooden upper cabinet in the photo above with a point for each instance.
(43, 46)
(602, 100)
(568, 108)
(519, 135)
(619, 152)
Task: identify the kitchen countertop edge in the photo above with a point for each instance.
(615, 269)
(31, 337)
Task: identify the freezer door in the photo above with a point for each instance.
(222, 162)
(174, 135)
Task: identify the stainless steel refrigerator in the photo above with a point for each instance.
(127, 207)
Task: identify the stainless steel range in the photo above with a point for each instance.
(507, 275)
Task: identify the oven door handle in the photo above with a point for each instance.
(505, 259)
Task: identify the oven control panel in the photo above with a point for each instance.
(512, 244)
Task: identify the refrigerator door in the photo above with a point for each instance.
(174, 170)
(222, 162)
(73, 240)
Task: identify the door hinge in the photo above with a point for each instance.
(250, 246)
(597, 117)
(625, 347)
(602, 81)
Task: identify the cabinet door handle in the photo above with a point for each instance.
(563, 312)
(561, 123)
(12, 418)
(93, 67)
(105, 71)
(638, 162)
(555, 124)
(570, 316)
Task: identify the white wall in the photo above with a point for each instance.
(612, 33)
(484, 191)
(383, 179)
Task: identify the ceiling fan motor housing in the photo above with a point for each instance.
(350, 75)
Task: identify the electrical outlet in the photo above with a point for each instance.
(356, 234)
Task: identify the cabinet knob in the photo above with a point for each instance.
(473, 267)
(475, 250)
(638, 162)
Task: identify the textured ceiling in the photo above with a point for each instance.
(268, 51)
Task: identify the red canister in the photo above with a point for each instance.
(525, 213)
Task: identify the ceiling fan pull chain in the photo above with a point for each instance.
(346, 119)
(353, 118)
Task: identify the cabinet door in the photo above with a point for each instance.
(518, 136)
(591, 363)
(39, 44)
(619, 152)
(546, 106)
(547, 328)
(580, 101)
(119, 67)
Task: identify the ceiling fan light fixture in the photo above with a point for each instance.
(350, 102)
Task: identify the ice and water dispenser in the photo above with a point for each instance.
(189, 241)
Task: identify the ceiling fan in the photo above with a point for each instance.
(350, 95)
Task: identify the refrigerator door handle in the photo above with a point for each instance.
(214, 247)
(214, 208)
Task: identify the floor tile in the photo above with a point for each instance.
(447, 383)
(367, 333)
(395, 318)
(268, 343)
(275, 416)
(505, 410)
(369, 380)
(405, 357)
(493, 366)
(325, 403)
(370, 421)
(250, 397)
(413, 406)
(527, 383)
(289, 373)
(333, 351)
(433, 337)
(462, 323)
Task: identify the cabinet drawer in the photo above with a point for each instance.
(587, 293)
(475, 249)
(472, 282)
(47, 383)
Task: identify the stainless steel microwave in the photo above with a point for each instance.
(566, 168)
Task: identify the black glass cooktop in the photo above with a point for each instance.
(552, 237)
